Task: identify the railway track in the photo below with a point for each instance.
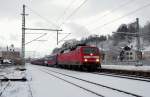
(132, 77)
(4, 88)
(137, 74)
(30, 90)
(88, 82)
(7, 82)
(74, 84)
(121, 75)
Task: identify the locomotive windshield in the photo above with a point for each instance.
(89, 50)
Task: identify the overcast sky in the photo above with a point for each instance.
(92, 17)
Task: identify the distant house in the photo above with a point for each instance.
(130, 55)
(9, 54)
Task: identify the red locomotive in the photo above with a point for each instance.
(81, 57)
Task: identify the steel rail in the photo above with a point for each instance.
(30, 90)
(4, 88)
(132, 94)
(73, 84)
(123, 76)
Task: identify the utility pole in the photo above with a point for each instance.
(23, 36)
(138, 35)
(139, 55)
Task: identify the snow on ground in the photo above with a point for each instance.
(14, 88)
(127, 67)
(41, 84)
(101, 90)
(11, 72)
(45, 85)
(5, 69)
(17, 89)
(133, 86)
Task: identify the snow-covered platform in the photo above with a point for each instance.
(127, 67)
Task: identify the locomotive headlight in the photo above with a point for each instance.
(85, 60)
(97, 60)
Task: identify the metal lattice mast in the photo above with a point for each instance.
(138, 36)
(139, 55)
(23, 36)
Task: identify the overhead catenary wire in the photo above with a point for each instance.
(47, 20)
(65, 11)
(70, 17)
(130, 13)
(75, 11)
(36, 38)
(111, 11)
(64, 38)
(64, 14)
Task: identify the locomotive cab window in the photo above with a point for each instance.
(88, 50)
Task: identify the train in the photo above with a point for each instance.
(78, 58)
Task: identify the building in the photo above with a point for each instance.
(9, 55)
